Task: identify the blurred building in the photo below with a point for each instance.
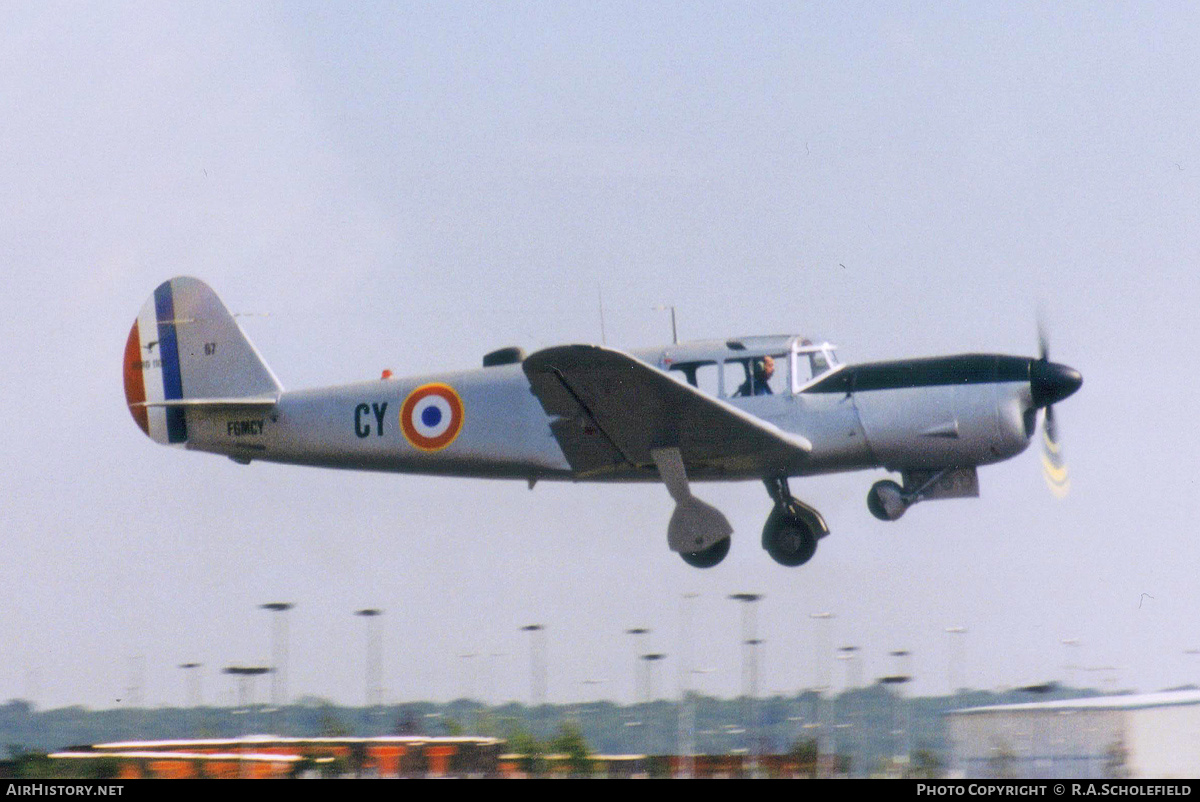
(275, 757)
(271, 756)
(1138, 736)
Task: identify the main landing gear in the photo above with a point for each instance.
(699, 533)
(793, 528)
(707, 558)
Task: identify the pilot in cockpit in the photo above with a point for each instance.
(760, 374)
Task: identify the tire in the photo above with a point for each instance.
(789, 539)
(875, 501)
(709, 557)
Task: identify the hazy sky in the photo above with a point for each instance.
(409, 186)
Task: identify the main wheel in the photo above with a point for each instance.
(789, 539)
(709, 557)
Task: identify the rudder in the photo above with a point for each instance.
(185, 349)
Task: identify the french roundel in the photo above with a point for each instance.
(432, 416)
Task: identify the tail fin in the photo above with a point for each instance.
(186, 350)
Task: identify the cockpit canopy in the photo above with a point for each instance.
(750, 366)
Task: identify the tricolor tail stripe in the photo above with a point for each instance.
(168, 349)
(135, 385)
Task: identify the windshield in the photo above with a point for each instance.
(810, 361)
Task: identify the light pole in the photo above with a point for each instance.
(687, 713)
(955, 658)
(279, 658)
(690, 707)
(848, 655)
(537, 663)
(245, 676)
(469, 681)
(750, 644)
(899, 679)
(1069, 665)
(590, 684)
(839, 744)
(638, 634)
(193, 686)
(649, 660)
(193, 683)
(374, 672)
(824, 684)
(279, 650)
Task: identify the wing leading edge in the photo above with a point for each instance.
(611, 410)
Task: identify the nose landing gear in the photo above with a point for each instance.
(887, 500)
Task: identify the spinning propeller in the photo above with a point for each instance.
(1050, 382)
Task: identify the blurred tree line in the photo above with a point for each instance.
(859, 725)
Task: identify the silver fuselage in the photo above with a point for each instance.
(899, 424)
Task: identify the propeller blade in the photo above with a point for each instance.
(1054, 466)
(1051, 430)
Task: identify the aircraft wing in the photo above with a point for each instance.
(611, 409)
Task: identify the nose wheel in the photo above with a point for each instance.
(887, 501)
(792, 529)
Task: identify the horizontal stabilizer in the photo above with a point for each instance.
(209, 403)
